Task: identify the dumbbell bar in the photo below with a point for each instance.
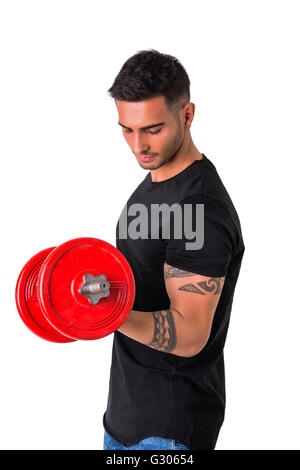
(83, 289)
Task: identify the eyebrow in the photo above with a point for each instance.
(143, 128)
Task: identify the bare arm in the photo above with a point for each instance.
(184, 328)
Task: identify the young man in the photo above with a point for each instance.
(181, 235)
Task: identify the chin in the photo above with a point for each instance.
(150, 166)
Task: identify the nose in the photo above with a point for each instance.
(139, 145)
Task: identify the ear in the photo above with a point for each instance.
(189, 114)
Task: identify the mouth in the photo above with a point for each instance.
(146, 159)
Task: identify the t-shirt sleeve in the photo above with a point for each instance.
(205, 245)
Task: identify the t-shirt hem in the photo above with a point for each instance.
(112, 434)
(168, 434)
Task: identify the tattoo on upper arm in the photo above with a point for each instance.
(212, 285)
(170, 271)
(164, 338)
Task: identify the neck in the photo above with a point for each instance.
(185, 156)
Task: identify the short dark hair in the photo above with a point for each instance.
(150, 73)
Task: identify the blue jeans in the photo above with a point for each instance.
(150, 443)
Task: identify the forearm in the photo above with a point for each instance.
(164, 330)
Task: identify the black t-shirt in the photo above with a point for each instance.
(155, 393)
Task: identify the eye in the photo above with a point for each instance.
(128, 131)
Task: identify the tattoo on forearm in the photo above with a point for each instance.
(213, 284)
(164, 338)
(170, 271)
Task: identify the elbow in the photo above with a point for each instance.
(195, 350)
(192, 354)
(197, 346)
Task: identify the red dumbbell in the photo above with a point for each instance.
(81, 290)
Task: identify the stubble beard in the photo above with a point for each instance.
(171, 154)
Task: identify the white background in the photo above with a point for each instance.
(66, 172)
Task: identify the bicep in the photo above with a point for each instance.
(195, 297)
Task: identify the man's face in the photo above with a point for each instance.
(152, 146)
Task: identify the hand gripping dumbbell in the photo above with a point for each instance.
(83, 289)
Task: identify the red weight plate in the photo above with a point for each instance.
(62, 276)
(28, 304)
